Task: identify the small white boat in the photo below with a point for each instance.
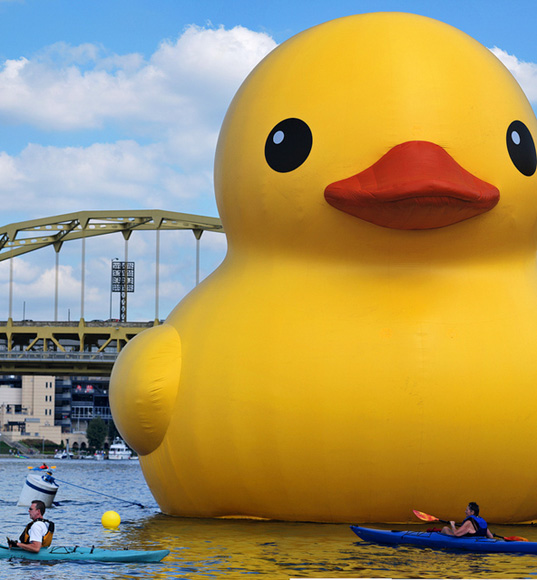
(63, 455)
(99, 455)
(118, 450)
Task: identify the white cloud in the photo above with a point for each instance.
(46, 180)
(524, 72)
(148, 129)
(155, 122)
(185, 82)
(214, 61)
(34, 287)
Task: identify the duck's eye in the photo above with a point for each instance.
(288, 145)
(521, 148)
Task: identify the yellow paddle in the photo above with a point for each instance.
(428, 518)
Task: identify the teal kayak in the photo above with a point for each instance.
(438, 541)
(78, 553)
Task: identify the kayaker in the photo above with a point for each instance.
(472, 525)
(38, 533)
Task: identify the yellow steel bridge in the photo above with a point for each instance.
(79, 348)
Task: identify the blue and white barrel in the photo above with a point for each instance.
(38, 485)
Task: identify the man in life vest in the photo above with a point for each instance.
(38, 533)
(472, 525)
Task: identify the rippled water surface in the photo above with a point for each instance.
(229, 549)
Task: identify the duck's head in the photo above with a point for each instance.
(378, 134)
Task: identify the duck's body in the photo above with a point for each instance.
(341, 366)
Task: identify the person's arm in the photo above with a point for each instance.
(490, 534)
(466, 528)
(31, 547)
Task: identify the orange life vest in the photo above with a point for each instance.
(47, 538)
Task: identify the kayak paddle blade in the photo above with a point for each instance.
(425, 517)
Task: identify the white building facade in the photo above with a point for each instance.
(27, 411)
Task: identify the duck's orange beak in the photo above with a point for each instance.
(417, 185)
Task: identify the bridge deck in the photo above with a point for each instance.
(64, 348)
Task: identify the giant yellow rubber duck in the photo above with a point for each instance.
(368, 345)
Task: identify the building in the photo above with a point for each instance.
(89, 399)
(54, 408)
(27, 407)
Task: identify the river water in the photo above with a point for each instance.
(213, 549)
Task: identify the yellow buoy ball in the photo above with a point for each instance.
(110, 519)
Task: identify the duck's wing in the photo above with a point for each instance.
(144, 385)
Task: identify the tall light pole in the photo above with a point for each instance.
(122, 282)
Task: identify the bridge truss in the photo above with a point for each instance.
(85, 348)
(22, 237)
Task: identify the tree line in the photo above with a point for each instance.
(97, 432)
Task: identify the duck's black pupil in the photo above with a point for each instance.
(288, 145)
(521, 148)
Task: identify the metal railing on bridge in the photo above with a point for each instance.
(64, 348)
(56, 363)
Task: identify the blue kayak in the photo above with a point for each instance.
(438, 541)
(79, 553)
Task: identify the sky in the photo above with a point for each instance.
(117, 104)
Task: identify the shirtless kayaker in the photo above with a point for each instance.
(472, 525)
